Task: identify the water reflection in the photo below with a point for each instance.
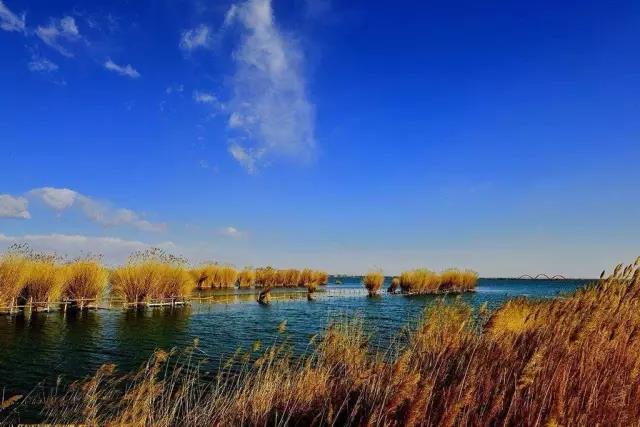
(139, 332)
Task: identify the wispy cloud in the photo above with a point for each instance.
(14, 207)
(9, 21)
(269, 107)
(245, 158)
(41, 65)
(100, 212)
(114, 249)
(204, 97)
(123, 70)
(210, 99)
(59, 33)
(195, 38)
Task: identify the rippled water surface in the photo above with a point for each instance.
(37, 349)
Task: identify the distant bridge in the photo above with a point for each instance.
(542, 276)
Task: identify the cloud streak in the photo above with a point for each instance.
(41, 65)
(59, 33)
(60, 199)
(9, 21)
(204, 98)
(196, 38)
(269, 110)
(123, 70)
(14, 207)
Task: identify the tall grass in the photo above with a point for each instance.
(321, 277)
(214, 276)
(148, 276)
(291, 277)
(266, 277)
(420, 280)
(427, 281)
(568, 361)
(288, 277)
(151, 276)
(246, 278)
(149, 281)
(29, 277)
(84, 279)
(453, 278)
(373, 281)
(43, 283)
(13, 272)
(173, 282)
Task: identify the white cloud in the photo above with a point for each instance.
(99, 212)
(103, 214)
(14, 207)
(43, 65)
(9, 21)
(58, 33)
(114, 249)
(199, 37)
(233, 232)
(246, 159)
(269, 106)
(56, 198)
(126, 70)
(235, 120)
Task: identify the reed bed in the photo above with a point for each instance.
(84, 280)
(38, 280)
(29, 277)
(266, 277)
(43, 283)
(458, 280)
(151, 276)
(150, 281)
(373, 281)
(214, 276)
(424, 281)
(568, 361)
(246, 278)
(289, 278)
(13, 272)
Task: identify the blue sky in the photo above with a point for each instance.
(500, 136)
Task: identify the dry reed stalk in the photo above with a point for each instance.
(373, 282)
(13, 272)
(43, 283)
(266, 277)
(567, 361)
(84, 280)
(246, 278)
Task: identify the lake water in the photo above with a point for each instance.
(37, 349)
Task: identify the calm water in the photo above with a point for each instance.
(37, 349)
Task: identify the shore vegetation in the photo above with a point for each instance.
(566, 361)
